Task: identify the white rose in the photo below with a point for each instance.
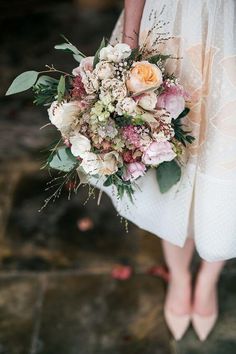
(104, 70)
(148, 101)
(106, 52)
(80, 144)
(127, 105)
(62, 115)
(115, 54)
(91, 163)
(121, 51)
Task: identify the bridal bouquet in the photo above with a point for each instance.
(119, 113)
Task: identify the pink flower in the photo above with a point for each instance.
(173, 103)
(158, 152)
(130, 133)
(128, 156)
(78, 90)
(121, 272)
(133, 171)
(86, 64)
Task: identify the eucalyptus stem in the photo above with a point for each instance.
(52, 69)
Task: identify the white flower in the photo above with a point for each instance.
(104, 70)
(62, 115)
(91, 163)
(127, 105)
(106, 52)
(148, 101)
(122, 51)
(80, 145)
(105, 97)
(102, 117)
(115, 54)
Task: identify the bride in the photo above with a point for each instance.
(199, 210)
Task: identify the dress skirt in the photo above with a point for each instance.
(203, 203)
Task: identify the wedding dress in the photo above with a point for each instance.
(203, 203)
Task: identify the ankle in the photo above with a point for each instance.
(205, 279)
(183, 277)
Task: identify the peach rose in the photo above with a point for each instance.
(144, 76)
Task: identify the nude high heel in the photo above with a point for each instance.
(177, 324)
(203, 325)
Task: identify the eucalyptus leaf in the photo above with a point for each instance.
(61, 88)
(23, 82)
(46, 80)
(68, 47)
(96, 57)
(78, 57)
(62, 161)
(168, 173)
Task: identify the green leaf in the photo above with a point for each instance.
(155, 58)
(61, 88)
(23, 82)
(134, 54)
(62, 161)
(68, 47)
(96, 57)
(108, 182)
(78, 57)
(184, 113)
(168, 173)
(46, 80)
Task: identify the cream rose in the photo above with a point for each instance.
(144, 76)
(115, 87)
(109, 163)
(148, 101)
(104, 70)
(62, 115)
(105, 165)
(80, 145)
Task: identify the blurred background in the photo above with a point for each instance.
(72, 280)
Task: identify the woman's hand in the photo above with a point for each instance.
(132, 19)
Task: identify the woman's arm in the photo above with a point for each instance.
(132, 19)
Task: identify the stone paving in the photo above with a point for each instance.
(57, 292)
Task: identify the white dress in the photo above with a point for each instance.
(203, 204)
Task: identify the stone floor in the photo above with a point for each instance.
(59, 292)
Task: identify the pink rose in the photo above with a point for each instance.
(158, 152)
(133, 171)
(86, 64)
(174, 104)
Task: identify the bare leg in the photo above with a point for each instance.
(178, 260)
(205, 295)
